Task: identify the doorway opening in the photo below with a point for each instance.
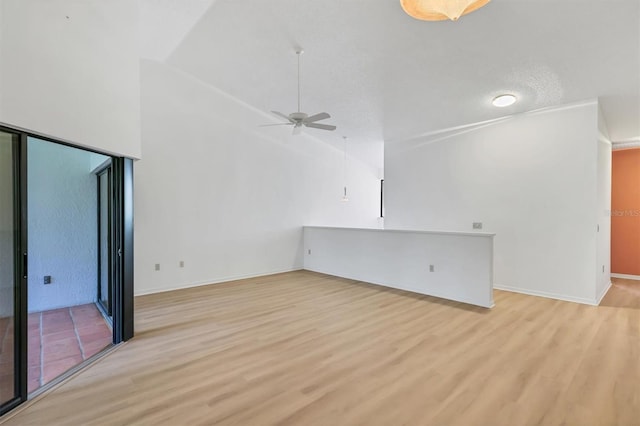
(625, 224)
(66, 272)
(65, 324)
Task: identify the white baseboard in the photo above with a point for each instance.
(604, 293)
(563, 297)
(626, 277)
(209, 282)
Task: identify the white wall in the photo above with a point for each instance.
(225, 196)
(531, 179)
(70, 69)
(603, 265)
(6, 227)
(462, 262)
(62, 199)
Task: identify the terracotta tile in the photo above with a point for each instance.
(59, 336)
(54, 369)
(58, 345)
(6, 367)
(51, 328)
(56, 322)
(59, 317)
(7, 345)
(95, 347)
(91, 324)
(96, 339)
(55, 330)
(6, 387)
(48, 317)
(84, 308)
(90, 308)
(33, 356)
(33, 384)
(33, 342)
(55, 312)
(6, 353)
(33, 376)
(60, 348)
(93, 329)
(63, 349)
(96, 342)
(85, 313)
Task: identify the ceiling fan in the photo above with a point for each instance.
(299, 119)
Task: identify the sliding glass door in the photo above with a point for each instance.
(25, 324)
(12, 271)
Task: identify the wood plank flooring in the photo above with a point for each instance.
(307, 349)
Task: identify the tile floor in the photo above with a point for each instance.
(62, 338)
(6, 359)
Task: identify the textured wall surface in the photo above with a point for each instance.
(62, 226)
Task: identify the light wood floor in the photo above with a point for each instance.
(307, 349)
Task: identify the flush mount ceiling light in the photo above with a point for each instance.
(440, 10)
(504, 100)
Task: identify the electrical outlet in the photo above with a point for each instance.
(477, 225)
(157, 266)
(182, 263)
(432, 268)
(47, 279)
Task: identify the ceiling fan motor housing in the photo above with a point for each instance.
(298, 116)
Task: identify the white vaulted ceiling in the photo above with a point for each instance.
(385, 76)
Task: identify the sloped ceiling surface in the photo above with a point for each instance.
(385, 76)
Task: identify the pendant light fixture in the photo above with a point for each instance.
(344, 195)
(440, 10)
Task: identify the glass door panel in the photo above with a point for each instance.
(104, 241)
(9, 269)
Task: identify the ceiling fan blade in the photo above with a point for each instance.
(277, 124)
(317, 117)
(279, 114)
(320, 126)
(297, 130)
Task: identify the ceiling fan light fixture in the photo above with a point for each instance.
(300, 119)
(505, 100)
(440, 10)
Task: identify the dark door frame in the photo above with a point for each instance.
(122, 208)
(18, 160)
(108, 170)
